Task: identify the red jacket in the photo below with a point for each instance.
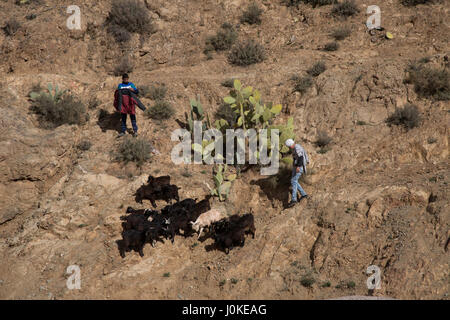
(128, 103)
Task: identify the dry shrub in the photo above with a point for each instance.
(429, 83)
(331, 46)
(56, 112)
(162, 110)
(345, 9)
(223, 40)
(228, 83)
(11, 27)
(341, 33)
(408, 116)
(317, 69)
(124, 66)
(135, 150)
(119, 33)
(131, 15)
(154, 92)
(84, 145)
(410, 3)
(252, 15)
(246, 53)
(302, 84)
(323, 139)
(314, 3)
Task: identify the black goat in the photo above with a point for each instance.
(230, 239)
(165, 192)
(132, 240)
(136, 220)
(158, 181)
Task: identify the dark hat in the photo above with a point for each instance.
(125, 75)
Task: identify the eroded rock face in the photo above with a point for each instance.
(31, 157)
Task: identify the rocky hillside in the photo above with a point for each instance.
(379, 193)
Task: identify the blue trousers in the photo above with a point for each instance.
(133, 122)
(295, 185)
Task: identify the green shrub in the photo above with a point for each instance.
(323, 139)
(252, 15)
(134, 150)
(166, 275)
(246, 53)
(161, 110)
(124, 66)
(130, 15)
(345, 9)
(408, 116)
(54, 111)
(317, 69)
(326, 284)
(341, 33)
(429, 83)
(223, 40)
(331, 46)
(302, 84)
(11, 27)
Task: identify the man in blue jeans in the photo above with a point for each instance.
(300, 160)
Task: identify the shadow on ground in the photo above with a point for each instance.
(109, 121)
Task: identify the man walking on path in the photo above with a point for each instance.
(300, 160)
(125, 100)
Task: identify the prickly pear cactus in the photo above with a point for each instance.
(222, 183)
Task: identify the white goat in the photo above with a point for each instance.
(206, 219)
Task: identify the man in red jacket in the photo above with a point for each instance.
(125, 101)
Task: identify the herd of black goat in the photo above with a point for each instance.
(143, 226)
